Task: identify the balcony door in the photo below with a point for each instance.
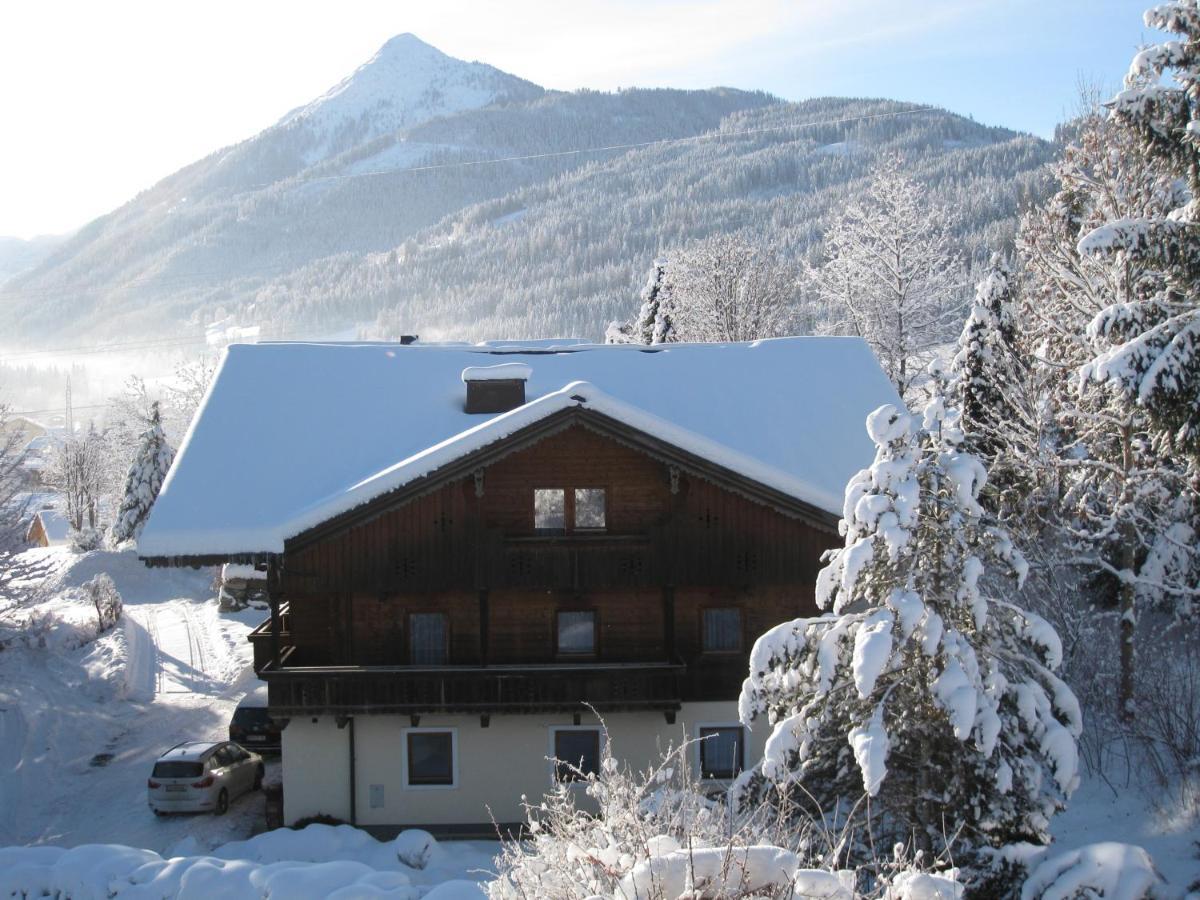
(428, 639)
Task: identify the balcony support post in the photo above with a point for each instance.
(274, 595)
(668, 611)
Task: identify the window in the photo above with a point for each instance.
(576, 753)
(589, 509)
(721, 751)
(558, 510)
(430, 758)
(577, 631)
(427, 639)
(550, 510)
(722, 630)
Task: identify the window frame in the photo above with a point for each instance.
(741, 633)
(567, 511)
(408, 620)
(577, 654)
(699, 730)
(572, 518)
(552, 756)
(569, 528)
(405, 770)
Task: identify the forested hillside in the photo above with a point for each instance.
(394, 204)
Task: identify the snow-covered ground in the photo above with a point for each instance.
(80, 728)
(1151, 818)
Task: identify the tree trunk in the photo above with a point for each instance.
(1128, 596)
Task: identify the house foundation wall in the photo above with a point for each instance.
(493, 766)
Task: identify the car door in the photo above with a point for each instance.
(226, 770)
(240, 764)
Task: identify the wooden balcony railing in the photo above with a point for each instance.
(412, 690)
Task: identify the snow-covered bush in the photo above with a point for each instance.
(619, 829)
(85, 540)
(919, 708)
(106, 599)
(654, 835)
(1109, 870)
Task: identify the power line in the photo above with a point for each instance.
(194, 277)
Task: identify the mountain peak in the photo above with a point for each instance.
(405, 82)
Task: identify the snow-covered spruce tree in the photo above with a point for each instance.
(986, 371)
(1149, 344)
(145, 479)
(917, 687)
(891, 274)
(654, 323)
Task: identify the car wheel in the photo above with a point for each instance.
(160, 813)
(258, 778)
(222, 802)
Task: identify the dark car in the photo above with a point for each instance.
(252, 726)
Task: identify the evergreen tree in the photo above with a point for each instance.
(144, 481)
(985, 370)
(1149, 343)
(917, 687)
(654, 320)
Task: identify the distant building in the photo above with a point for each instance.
(48, 528)
(474, 550)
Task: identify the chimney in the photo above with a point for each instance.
(493, 389)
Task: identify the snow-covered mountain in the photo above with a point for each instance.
(319, 223)
(19, 255)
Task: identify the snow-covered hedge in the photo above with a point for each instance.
(317, 862)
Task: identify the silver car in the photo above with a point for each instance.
(203, 776)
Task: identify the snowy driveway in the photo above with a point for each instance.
(80, 729)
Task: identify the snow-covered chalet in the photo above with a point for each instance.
(474, 553)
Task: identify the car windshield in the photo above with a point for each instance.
(247, 716)
(178, 769)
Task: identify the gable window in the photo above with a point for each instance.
(722, 750)
(576, 753)
(550, 510)
(722, 630)
(589, 509)
(562, 510)
(577, 631)
(430, 758)
(427, 639)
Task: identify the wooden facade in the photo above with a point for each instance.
(676, 542)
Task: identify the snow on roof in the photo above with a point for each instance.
(58, 529)
(502, 372)
(293, 434)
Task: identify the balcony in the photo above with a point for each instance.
(412, 690)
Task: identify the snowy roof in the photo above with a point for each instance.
(294, 434)
(57, 528)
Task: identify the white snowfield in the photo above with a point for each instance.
(323, 428)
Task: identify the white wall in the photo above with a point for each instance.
(495, 765)
(316, 769)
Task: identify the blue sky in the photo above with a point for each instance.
(132, 90)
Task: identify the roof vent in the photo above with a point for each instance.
(492, 389)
